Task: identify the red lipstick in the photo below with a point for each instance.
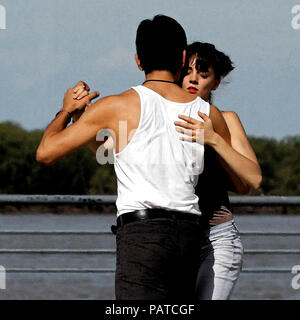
(192, 90)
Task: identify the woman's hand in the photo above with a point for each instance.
(196, 131)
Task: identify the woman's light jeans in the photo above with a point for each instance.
(221, 263)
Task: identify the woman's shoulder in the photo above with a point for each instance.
(234, 123)
(232, 118)
(230, 114)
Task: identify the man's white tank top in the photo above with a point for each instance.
(157, 169)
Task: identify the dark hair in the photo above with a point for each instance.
(207, 55)
(160, 43)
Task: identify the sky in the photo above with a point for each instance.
(50, 45)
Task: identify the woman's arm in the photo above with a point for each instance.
(241, 164)
(239, 142)
(214, 129)
(240, 157)
(215, 137)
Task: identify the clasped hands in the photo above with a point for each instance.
(78, 99)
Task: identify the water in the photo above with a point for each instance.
(101, 286)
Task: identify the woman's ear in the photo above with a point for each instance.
(138, 62)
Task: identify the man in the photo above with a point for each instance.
(160, 232)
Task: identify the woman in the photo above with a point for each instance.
(205, 68)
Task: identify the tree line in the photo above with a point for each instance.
(79, 173)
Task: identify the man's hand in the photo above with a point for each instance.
(77, 98)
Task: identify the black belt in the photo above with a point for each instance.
(146, 214)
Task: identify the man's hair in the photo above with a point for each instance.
(160, 43)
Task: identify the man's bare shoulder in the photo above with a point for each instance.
(112, 108)
(118, 101)
(129, 97)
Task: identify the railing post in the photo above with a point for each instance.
(2, 278)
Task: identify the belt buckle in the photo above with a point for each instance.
(143, 214)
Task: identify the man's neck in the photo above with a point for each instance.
(161, 75)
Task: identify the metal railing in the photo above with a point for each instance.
(269, 201)
(56, 199)
(110, 200)
(108, 270)
(113, 251)
(96, 233)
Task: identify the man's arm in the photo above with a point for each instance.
(59, 141)
(93, 145)
(80, 91)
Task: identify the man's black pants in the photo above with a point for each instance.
(159, 259)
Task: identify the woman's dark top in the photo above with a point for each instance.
(212, 185)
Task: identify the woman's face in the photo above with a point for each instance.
(198, 82)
